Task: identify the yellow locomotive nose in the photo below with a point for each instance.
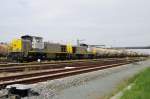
(16, 45)
(69, 48)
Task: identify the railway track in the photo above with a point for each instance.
(50, 74)
(40, 66)
(58, 62)
(52, 62)
(52, 66)
(24, 68)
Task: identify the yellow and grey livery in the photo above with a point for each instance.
(32, 48)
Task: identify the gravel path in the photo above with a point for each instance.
(91, 85)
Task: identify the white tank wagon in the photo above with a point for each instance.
(3, 49)
(134, 54)
(108, 52)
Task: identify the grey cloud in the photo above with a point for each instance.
(111, 22)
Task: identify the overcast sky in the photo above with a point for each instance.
(110, 22)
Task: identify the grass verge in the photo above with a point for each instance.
(141, 87)
(120, 87)
(124, 84)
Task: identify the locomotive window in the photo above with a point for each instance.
(63, 48)
(38, 40)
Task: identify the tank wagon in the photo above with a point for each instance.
(3, 50)
(33, 48)
(110, 53)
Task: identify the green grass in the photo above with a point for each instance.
(141, 87)
(121, 86)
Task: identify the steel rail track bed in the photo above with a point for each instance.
(50, 74)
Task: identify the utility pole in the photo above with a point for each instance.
(78, 41)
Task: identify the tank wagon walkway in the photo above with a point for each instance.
(92, 85)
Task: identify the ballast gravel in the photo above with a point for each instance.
(92, 85)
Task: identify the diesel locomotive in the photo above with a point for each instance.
(32, 48)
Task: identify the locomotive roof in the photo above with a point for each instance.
(28, 36)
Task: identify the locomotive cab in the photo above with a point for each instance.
(27, 48)
(37, 42)
(36, 50)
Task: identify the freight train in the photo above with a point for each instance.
(31, 48)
